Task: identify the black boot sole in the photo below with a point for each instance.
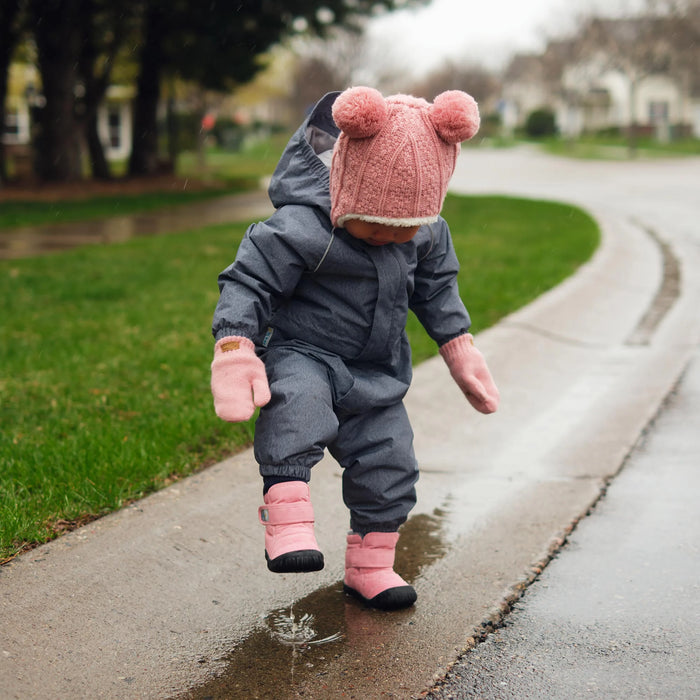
(390, 599)
(296, 562)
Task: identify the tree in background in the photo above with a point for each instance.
(215, 46)
(106, 26)
(662, 38)
(219, 49)
(682, 23)
(58, 39)
(326, 64)
(478, 81)
(635, 47)
(313, 78)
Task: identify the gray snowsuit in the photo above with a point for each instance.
(327, 313)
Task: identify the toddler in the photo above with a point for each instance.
(310, 324)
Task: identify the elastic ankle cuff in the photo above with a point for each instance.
(270, 481)
(364, 529)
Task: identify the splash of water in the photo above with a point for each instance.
(299, 632)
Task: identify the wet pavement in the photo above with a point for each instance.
(616, 614)
(27, 241)
(170, 598)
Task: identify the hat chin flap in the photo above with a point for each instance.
(455, 116)
(360, 112)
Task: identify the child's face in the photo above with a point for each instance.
(379, 234)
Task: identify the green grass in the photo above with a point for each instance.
(510, 251)
(617, 148)
(104, 365)
(254, 161)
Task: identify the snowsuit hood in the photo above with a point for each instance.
(301, 177)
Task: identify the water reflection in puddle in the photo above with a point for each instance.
(324, 634)
(28, 241)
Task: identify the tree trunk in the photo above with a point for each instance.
(173, 135)
(4, 67)
(144, 150)
(95, 82)
(98, 161)
(58, 45)
(632, 129)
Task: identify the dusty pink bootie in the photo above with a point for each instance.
(369, 572)
(288, 517)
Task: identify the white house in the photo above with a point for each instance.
(524, 90)
(592, 99)
(24, 95)
(588, 93)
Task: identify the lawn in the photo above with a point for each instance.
(256, 160)
(617, 148)
(104, 365)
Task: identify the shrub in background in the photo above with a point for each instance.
(541, 123)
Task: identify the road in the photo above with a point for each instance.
(170, 597)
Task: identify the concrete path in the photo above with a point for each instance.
(616, 614)
(171, 597)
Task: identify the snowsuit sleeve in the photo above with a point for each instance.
(435, 299)
(270, 261)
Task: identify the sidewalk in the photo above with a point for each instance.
(171, 598)
(616, 614)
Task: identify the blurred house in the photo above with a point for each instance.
(601, 80)
(24, 102)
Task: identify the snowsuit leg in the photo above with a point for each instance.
(373, 444)
(375, 449)
(292, 431)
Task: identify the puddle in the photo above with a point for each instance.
(53, 238)
(324, 634)
(297, 633)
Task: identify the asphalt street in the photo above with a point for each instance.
(170, 597)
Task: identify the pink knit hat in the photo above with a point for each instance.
(394, 157)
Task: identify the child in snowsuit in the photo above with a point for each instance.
(310, 324)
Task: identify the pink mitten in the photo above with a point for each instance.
(238, 379)
(468, 368)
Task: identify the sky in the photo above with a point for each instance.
(485, 31)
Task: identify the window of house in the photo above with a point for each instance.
(12, 129)
(114, 127)
(658, 112)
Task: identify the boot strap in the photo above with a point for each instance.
(286, 513)
(369, 558)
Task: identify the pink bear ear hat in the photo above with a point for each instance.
(395, 156)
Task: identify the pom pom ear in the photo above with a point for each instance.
(360, 112)
(455, 116)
